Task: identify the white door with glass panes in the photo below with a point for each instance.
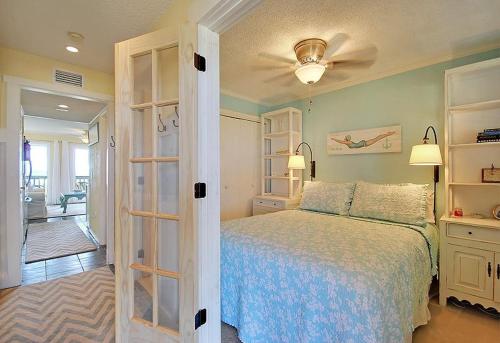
(155, 228)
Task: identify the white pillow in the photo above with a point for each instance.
(327, 197)
(400, 203)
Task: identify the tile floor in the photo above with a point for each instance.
(64, 266)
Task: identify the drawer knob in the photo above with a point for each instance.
(470, 232)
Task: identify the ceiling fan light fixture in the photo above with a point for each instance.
(310, 73)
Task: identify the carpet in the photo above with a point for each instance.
(78, 308)
(55, 239)
(76, 209)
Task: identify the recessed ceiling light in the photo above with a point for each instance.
(62, 109)
(63, 106)
(72, 49)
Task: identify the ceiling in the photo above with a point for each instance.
(45, 105)
(40, 27)
(46, 126)
(398, 34)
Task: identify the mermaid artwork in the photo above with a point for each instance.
(362, 143)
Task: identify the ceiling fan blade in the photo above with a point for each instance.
(276, 58)
(349, 64)
(335, 43)
(293, 80)
(336, 76)
(279, 77)
(270, 67)
(369, 53)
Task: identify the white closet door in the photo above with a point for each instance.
(240, 165)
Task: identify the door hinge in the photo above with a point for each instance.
(199, 62)
(200, 318)
(200, 190)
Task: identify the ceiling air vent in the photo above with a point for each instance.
(72, 79)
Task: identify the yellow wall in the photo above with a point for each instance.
(38, 68)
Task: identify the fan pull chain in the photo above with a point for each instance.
(310, 99)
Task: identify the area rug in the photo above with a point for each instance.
(77, 209)
(78, 308)
(55, 239)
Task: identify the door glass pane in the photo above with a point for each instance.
(143, 241)
(142, 135)
(168, 73)
(143, 76)
(168, 187)
(168, 140)
(168, 302)
(142, 187)
(143, 295)
(168, 245)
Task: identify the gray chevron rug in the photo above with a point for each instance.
(55, 239)
(78, 308)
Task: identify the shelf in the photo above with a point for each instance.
(483, 105)
(276, 156)
(474, 184)
(472, 145)
(295, 178)
(280, 133)
(484, 222)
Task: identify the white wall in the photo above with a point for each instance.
(240, 160)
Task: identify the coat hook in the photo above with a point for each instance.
(163, 127)
(177, 114)
(112, 144)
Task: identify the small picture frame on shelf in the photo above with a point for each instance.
(490, 175)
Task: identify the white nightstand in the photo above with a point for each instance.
(470, 261)
(263, 204)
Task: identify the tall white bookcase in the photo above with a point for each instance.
(281, 132)
(470, 245)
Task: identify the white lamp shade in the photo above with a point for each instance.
(310, 73)
(425, 155)
(296, 162)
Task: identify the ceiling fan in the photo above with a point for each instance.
(310, 65)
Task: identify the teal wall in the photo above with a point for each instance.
(413, 99)
(240, 105)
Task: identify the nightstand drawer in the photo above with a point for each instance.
(264, 209)
(473, 233)
(269, 203)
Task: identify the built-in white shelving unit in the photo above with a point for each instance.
(470, 245)
(281, 134)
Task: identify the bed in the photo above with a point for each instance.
(304, 276)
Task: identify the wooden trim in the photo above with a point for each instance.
(144, 214)
(141, 267)
(167, 216)
(168, 102)
(143, 106)
(167, 273)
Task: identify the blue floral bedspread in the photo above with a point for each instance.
(300, 276)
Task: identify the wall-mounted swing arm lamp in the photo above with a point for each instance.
(427, 154)
(297, 161)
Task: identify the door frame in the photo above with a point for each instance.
(199, 94)
(10, 258)
(210, 18)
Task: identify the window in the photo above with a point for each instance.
(82, 162)
(39, 159)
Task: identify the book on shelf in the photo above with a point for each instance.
(489, 135)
